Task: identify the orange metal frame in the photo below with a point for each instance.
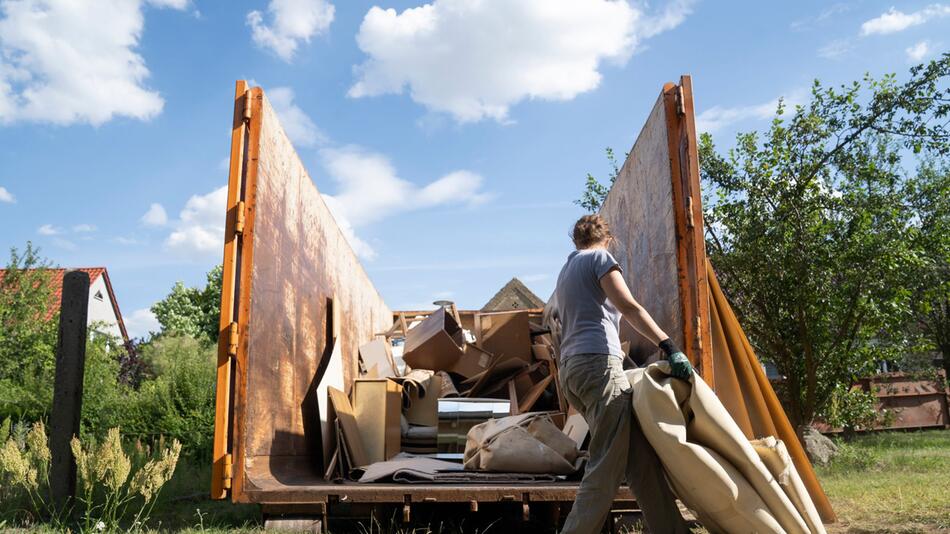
(227, 472)
(691, 246)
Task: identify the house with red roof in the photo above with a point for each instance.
(103, 306)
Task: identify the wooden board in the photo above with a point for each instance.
(351, 431)
(658, 244)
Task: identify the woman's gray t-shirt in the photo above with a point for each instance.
(590, 324)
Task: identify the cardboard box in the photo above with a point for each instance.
(437, 343)
(505, 334)
(377, 407)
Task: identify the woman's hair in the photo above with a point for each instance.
(590, 230)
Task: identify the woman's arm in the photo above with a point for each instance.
(619, 295)
(615, 287)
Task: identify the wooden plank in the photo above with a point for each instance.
(222, 401)
(534, 394)
(351, 431)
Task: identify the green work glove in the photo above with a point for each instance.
(679, 363)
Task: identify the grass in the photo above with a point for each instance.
(891, 482)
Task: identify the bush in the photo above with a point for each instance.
(178, 400)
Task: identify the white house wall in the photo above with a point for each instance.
(101, 310)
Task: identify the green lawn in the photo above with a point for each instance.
(891, 482)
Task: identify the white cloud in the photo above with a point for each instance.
(895, 20)
(370, 190)
(127, 241)
(299, 127)
(475, 59)
(718, 117)
(141, 322)
(155, 216)
(199, 230)
(293, 21)
(6, 196)
(66, 62)
(48, 229)
(917, 52)
(84, 228)
(836, 49)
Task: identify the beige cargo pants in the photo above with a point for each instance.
(596, 386)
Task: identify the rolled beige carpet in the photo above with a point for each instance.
(710, 464)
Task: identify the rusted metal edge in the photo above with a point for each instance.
(428, 493)
(220, 479)
(691, 251)
(251, 159)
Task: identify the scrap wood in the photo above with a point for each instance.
(350, 430)
(513, 397)
(494, 377)
(378, 353)
(534, 394)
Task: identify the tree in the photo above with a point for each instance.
(807, 227)
(929, 198)
(27, 335)
(192, 311)
(595, 193)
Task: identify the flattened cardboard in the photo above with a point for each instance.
(576, 427)
(332, 378)
(351, 431)
(505, 334)
(378, 353)
(377, 408)
(495, 377)
(437, 343)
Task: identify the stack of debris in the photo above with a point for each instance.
(442, 382)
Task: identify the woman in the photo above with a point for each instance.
(591, 297)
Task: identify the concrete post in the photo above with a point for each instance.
(67, 387)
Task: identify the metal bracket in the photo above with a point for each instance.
(232, 339)
(247, 106)
(239, 218)
(699, 333)
(227, 472)
(689, 212)
(680, 104)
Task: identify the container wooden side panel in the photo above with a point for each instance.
(300, 262)
(639, 210)
(655, 213)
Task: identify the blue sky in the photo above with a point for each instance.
(115, 114)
